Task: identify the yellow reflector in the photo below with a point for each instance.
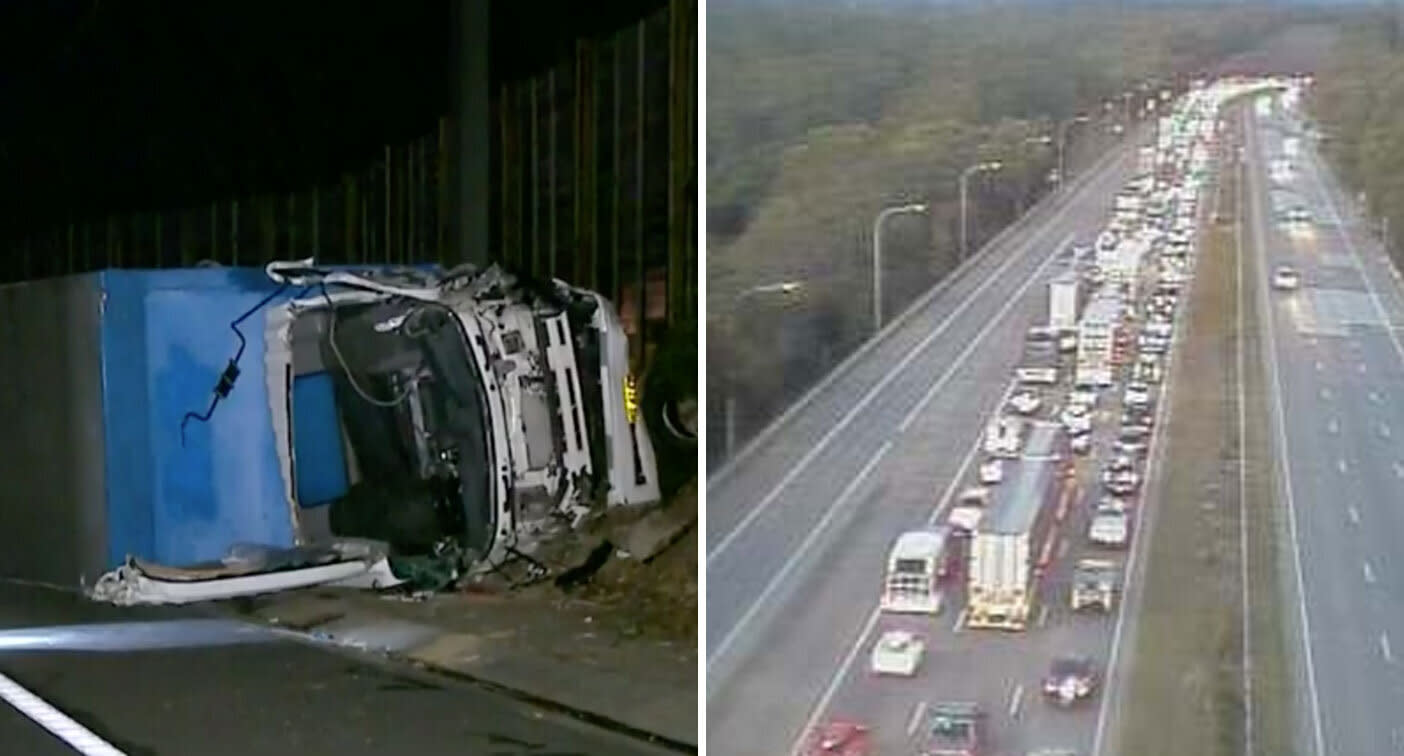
(631, 398)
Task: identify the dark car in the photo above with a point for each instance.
(1070, 679)
(952, 729)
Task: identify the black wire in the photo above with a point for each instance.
(230, 374)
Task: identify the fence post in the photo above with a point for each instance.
(316, 223)
(234, 233)
(386, 230)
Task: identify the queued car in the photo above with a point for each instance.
(1077, 418)
(1025, 403)
(1070, 679)
(1110, 528)
(968, 510)
(1081, 443)
(898, 652)
(1137, 394)
(952, 729)
(839, 737)
(992, 472)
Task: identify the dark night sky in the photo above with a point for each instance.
(117, 105)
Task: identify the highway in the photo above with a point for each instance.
(1336, 375)
(172, 681)
(798, 530)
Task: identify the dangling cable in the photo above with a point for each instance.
(225, 384)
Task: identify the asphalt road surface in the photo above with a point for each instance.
(221, 687)
(799, 529)
(1335, 352)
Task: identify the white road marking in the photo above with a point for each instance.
(1015, 700)
(1353, 514)
(1319, 365)
(1325, 393)
(1286, 466)
(1333, 426)
(1043, 615)
(779, 578)
(959, 621)
(1398, 470)
(1384, 430)
(1341, 465)
(1360, 367)
(979, 337)
(918, 712)
(1063, 548)
(1368, 573)
(1384, 648)
(45, 715)
(800, 466)
(1375, 397)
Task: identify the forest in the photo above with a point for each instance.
(1357, 102)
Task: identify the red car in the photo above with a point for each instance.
(839, 738)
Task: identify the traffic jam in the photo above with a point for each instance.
(996, 620)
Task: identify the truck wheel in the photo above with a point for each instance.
(669, 404)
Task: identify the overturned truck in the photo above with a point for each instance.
(462, 417)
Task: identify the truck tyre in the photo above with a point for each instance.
(669, 405)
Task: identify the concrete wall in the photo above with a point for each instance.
(53, 524)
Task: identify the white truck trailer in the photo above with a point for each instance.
(1013, 544)
(1095, 334)
(1063, 301)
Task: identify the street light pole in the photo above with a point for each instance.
(964, 196)
(877, 256)
(729, 410)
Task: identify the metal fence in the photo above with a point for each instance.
(594, 171)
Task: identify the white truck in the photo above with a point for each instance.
(1014, 542)
(1096, 332)
(915, 566)
(1063, 293)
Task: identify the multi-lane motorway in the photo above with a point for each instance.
(1336, 383)
(799, 529)
(799, 526)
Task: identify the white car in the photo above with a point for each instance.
(1025, 402)
(1083, 397)
(898, 652)
(1286, 279)
(1076, 418)
(1109, 528)
(992, 472)
(1081, 443)
(1137, 394)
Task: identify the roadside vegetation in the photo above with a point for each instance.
(820, 115)
(1358, 104)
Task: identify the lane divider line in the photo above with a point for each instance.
(56, 722)
(789, 566)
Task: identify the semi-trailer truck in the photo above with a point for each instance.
(1014, 542)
